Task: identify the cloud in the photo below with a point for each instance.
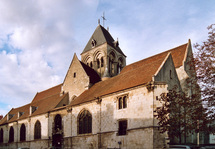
(38, 38)
(37, 42)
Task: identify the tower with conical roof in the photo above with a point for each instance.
(103, 54)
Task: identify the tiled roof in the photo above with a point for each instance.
(101, 36)
(47, 104)
(134, 77)
(46, 93)
(14, 112)
(45, 101)
(177, 53)
(135, 74)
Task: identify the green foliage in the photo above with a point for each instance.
(179, 114)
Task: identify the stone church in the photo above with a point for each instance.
(102, 102)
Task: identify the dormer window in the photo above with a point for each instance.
(20, 114)
(32, 109)
(93, 43)
(10, 116)
(74, 75)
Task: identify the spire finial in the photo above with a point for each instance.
(103, 17)
(99, 21)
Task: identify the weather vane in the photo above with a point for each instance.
(103, 17)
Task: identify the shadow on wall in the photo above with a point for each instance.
(116, 130)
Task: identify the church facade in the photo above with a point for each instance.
(102, 102)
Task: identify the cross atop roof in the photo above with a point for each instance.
(103, 17)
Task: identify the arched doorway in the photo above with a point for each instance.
(57, 137)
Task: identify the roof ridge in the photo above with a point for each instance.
(20, 107)
(159, 53)
(50, 88)
(140, 66)
(123, 73)
(45, 98)
(104, 31)
(174, 48)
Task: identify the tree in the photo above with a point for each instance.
(179, 114)
(205, 71)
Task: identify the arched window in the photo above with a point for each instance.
(102, 62)
(1, 136)
(170, 74)
(22, 133)
(120, 64)
(58, 122)
(37, 130)
(111, 63)
(98, 63)
(85, 122)
(91, 64)
(11, 134)
(122, 102)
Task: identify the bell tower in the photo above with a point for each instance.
(103, 54)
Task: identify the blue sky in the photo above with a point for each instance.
(39, 37)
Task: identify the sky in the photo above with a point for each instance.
(38, 38)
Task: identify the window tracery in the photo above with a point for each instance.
(37, 130)
(85, 122)
(58, 122)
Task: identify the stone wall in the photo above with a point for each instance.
(105, 117)
(72, 83)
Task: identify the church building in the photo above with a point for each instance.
(102, 102)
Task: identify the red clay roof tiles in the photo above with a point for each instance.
(46, 93)
(135, 74)
(44, 101)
